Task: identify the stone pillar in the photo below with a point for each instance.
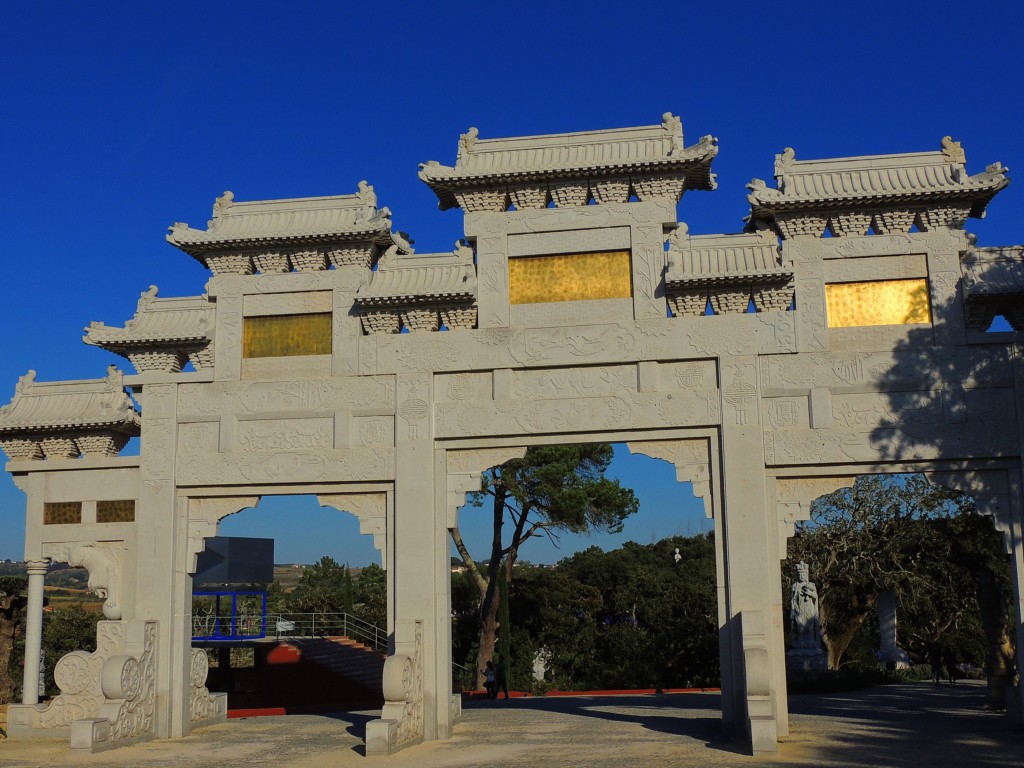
(749, 569)
(164, 586)
(1017, 556)
(33, 631)
(421, 567)
(890, 652)
(776, 624)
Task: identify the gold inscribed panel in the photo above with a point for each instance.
(885, 302)
(62, 513)
(570, 277)
(121, 511)
(286, 335)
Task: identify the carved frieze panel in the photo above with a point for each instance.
(329, 394)
(810, 310)
(785, 413)
(688, 374)
(910, 369)
(740, 396)
(699, 407)
(157, 448)
(198, 436)
(575, 382)
(869, 410)
(905, 442)
(462, 386)
(285, 435)
(373, 430)
(356, 464)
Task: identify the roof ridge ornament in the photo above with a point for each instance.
(953, 151)
(783, 165)
(220, 206)
(674, 125)
(467, 141)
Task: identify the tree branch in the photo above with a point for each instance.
(479, 580)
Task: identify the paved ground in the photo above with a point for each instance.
(898, 726)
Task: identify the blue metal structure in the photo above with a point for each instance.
(227, 626)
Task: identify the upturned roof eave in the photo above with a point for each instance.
(418, 298)
(198, 246)
(129, 421)
(130, 341)
(679, 279)
(444, 174)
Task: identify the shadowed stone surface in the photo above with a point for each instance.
(900, 725)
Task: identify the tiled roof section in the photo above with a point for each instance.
(614, 152)
(158, 321)
(994, 271)
(69, 405)
(421, 278)
(295, 221)
(910, 177)
(721, 259)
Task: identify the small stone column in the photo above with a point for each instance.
(33, 631)
(890, 653)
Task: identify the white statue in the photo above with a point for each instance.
(803, 611)
(676, 557)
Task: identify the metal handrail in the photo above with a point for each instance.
(326, 624)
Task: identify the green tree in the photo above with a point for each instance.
(552, 489)
(12, 620)
(67, 629)
(324, 588)
(924, 542)
(371, 595)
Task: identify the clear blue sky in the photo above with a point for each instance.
(120, 119)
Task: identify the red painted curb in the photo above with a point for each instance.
(479, 694)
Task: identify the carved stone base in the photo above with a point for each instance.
(401, 720)
(108, 697)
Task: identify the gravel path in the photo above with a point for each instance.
(897, 726)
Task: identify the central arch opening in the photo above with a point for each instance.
(312, 636)
(617, 596)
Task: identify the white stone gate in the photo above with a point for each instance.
(331, 359)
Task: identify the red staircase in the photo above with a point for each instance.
(307, 674)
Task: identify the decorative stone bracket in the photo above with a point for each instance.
(401, 720)
(370, 508)
(204, 514)
(103, 561)
(989, 489)
(108, 697)
(692, 460)
(465, 468)
(793, 501)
